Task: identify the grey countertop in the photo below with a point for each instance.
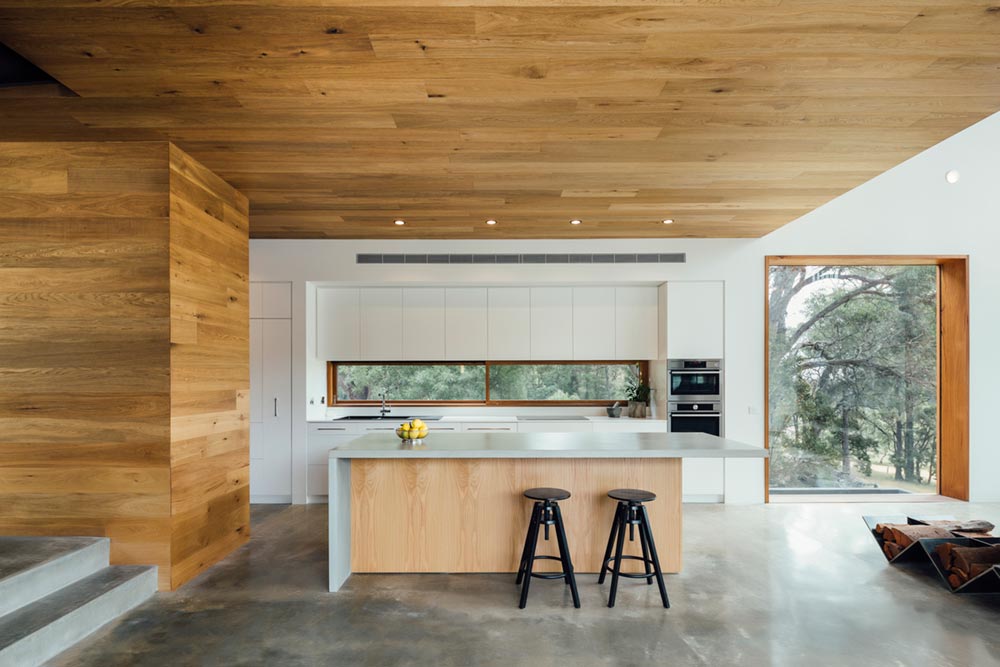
(548, 445)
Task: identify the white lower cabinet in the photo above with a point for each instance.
(555, 427)
(704, 480)
(630, 426)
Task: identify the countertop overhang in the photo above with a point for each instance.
(549, 445)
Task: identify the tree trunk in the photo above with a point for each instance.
(845, 442)
(898, 458)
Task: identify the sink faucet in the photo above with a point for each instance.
(386, 408)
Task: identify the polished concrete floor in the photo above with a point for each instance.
(767, 585)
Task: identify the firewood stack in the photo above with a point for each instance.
(898, 536)
(964, 563)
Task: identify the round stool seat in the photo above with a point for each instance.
(546, 493)
(632, 495)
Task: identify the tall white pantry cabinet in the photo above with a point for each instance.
(270, 392)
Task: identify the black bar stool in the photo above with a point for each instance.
(546, 513)
(631, 512)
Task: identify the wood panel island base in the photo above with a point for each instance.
(455, 505)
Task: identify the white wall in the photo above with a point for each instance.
(910, 209)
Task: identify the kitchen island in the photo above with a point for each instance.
(454, 504)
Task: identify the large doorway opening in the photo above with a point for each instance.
(863, 365)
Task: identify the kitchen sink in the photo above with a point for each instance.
(388, 418)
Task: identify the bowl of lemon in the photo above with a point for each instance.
(412, 432)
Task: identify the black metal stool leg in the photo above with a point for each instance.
(530, 562)
(567, 561)
(611, 543)
(527, 543)
(645, 556)
(618, 558)
(644, 526)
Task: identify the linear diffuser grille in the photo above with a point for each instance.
(564, 258)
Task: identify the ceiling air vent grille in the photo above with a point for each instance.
(563, 258)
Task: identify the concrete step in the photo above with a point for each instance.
(33, 567)
(42, 629)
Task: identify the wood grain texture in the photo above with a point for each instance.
(209, 367)
(469, 515)
(124, 352)
(953, 378)
(84, 350)
(335, 117)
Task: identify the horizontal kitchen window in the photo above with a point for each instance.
(561, 382)
(484, 383)
(401, 383)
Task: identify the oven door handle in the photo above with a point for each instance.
(695, 414)
(714, 371)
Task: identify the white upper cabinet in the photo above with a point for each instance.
(465, 323)
(636, 329)
(338, 323)
(551, 323)
(381, 323)
(271, 300)
(509, 323)
(593, 323)
(423, 323)
(695, 320)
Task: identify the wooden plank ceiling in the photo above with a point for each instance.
(336, 117)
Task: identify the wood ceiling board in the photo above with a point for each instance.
(336, 117)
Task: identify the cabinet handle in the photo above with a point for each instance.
(381, 429)
(275, 406)
(488, 428)
(321, 428)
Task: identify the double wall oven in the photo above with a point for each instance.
(694, 403)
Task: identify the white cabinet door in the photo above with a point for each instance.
(551, 323)
(271, 300)
(624, 425)
(465, 323)
(636, 330)
(695, 320)
(338, 324)
(271, 460)
(423, 323)
(509, 323)
(256, 371)
(381, 323)
(593, 323)
(555, 427)
(703, 480)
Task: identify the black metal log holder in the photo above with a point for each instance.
(925, 550)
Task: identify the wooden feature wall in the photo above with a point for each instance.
(87, 244)
(209, 371)
(469, 515)
(84, 364)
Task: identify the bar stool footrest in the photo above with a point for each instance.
(548, 575)
(631, 575)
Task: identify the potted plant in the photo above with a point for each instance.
(638, 397)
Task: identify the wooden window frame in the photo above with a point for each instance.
(331, 382)
(952, 357)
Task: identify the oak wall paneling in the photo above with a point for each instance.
(108, 362)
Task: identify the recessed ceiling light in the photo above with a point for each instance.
(668, 221)
(401, 222)
(952, 176)
(575, 222)
(491, 222)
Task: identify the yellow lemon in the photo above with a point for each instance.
(423, 433)
(417, 423)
